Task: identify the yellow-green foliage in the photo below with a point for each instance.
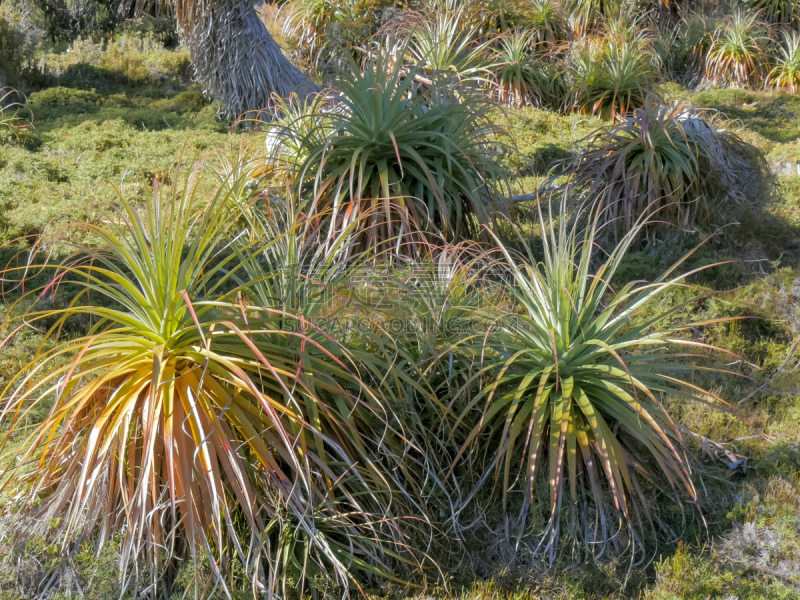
(120, 110)
(537, 140)
(10, 53)
(130, 59)
(67, 176)
(689, 576)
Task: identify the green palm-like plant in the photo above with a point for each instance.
(575, 382)
(610, 79)
(444, 48)
(546, 21)
(325, 29)
(298, 126)
(518, 74)
(586, 14)
(786, 73)
(625, 27)
(682, 47)
(194, 414)
(666, 160)
(737, 54)
(307, 20)
(438, 299)
(409, 159)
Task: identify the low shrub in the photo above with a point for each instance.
(691, 576)
(60, 106)
(162, 29)
(129, 60)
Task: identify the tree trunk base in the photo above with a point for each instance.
(235, 58)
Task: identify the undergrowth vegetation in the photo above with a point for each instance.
(510, 310)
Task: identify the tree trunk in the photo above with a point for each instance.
(235, 57)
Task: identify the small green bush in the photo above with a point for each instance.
(127, 60)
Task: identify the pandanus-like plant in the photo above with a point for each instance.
(738, 51)
(777, 12)
(16, 118)
(668, 161)
(786, 73)
(575, 383)
(521, 79)
(610, 79)
(394, 158)
(586, 14)
(546, 21)
(196, 414)
(445, 47)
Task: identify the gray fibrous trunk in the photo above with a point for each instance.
(235, 57)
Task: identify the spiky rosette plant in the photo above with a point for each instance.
(669, 161)
(444, 47)
(786, 73)
(546, 21)
(517, 70)
(196, 415)
(521, 78)
(297, 128)
(571, 412)
(16, 118)
(737, 55)
(586, 14)
(609, 79)
(424, 309)
(411, 159)
(682, 47)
